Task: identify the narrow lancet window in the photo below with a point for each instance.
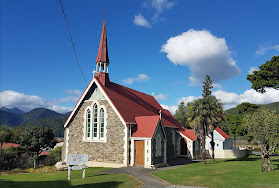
(95, 123)
(102, 123)
(88, 123)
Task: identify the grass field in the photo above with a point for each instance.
(224, 173)
(59, 179)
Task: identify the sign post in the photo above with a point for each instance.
(74, 162)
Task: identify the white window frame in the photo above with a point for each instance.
(98, 138)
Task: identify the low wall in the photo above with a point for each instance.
(229, 153)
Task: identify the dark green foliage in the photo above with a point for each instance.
(181, 116)
(5, 136)
(207, 86)
(271, 106)
(56, 124)
(233, 126)
(36, 139)
(266, 77)
(53, 157)
(246, 107)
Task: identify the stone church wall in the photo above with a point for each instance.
(171, 143)
(111, 151)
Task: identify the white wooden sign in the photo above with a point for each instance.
(76, 159)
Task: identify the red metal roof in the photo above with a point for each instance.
(131, 103)
(222, 133)
(189, 133)
(9, 144)
(103, 47)
(146, 126)
(44, 153)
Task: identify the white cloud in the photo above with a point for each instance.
(139, 78)
(217, 85)
(252, 69)
(141, 21)
(231, 99)
(172, 109)
(161, 5)
(13, 99)
(157, 7)
(203, 53)
(74, 96)
(160, 97)
(262, 49)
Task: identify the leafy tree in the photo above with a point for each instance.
(204, 114)
(5, 136)
(234, 126)
(246, 108)
(181, 115)
(266, 77)
(36, 140)
(263, 127)
(207, 86)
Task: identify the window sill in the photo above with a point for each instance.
(103, 141)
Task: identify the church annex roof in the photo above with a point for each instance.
(146, 126)
(131, 103)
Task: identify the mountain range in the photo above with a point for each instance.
(36, 117)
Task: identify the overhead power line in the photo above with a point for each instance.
(72, 41)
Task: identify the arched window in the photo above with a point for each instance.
(88, 123)
(158, 146)
(95, 122)
(102, 123)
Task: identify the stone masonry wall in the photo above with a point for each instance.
(108, 152)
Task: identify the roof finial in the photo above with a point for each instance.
(160, 112)
(104, 13)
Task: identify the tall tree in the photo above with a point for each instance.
(215, 111)
(5, 136)
(181, 115)
(246, 107)
(205, 114)
(207, 86)
(266, 77)
(263, 127)
(36, 140)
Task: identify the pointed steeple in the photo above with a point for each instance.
(102, 60)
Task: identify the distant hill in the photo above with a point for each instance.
(36, 117)
(67, 114)
(13, 110)
(40, 113)
(271, 106)
(9, 119)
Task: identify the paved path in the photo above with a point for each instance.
(149, 181)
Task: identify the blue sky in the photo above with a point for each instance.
(160, 47)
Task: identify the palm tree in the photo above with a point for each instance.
(204, 116)
(215, 115)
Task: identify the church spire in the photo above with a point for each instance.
(102, 60)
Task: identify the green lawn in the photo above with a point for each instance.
(224, 173)
(59, 179)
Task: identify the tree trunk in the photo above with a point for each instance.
(212, 146)
(203, 150)
(265, 163)
(1, 144)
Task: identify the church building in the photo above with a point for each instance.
(118, 126)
